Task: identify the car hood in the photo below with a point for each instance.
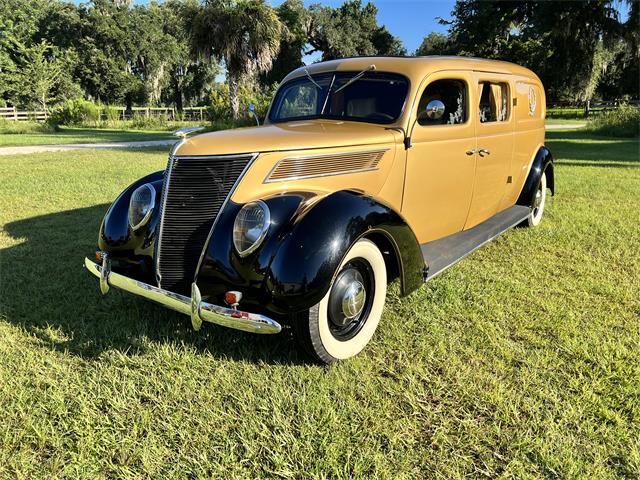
(302, 135)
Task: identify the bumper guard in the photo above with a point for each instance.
(198, 310)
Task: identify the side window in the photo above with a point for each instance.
(494, 102)
(453, 94)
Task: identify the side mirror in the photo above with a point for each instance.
(252, 111)
(435, 110)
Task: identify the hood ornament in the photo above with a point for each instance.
(185, 132)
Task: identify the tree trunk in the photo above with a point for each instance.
(587, 107)
(178, 97)
(234, 85)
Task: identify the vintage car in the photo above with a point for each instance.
(365, 169)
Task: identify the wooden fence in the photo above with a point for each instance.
(188, 113)
(12, 114)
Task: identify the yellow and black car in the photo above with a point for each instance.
(364, 170)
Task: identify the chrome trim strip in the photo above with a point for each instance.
(163, 204)
(224, 204)
(322, 155)
(193, 307)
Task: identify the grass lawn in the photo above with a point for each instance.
(521, 361)
(80, 135)
(565, 121)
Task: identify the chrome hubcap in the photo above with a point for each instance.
(353, 299)
(538, 199)
(350, 299)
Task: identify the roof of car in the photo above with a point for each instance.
(414, 67)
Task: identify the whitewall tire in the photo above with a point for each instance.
(539, 200)
(343, 322)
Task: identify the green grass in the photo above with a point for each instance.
(79, 135)
(564, 121)
(519, 362)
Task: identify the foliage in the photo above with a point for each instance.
(519, 362)
(623, 121)
(349, 30)
(294, 18)
(245, 34)
(568, 44)
(75, 112)
(220, 106)
(8, 127)
(435, 44)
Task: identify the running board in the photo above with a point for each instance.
(445, 252)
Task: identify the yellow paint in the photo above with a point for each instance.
(436, 186)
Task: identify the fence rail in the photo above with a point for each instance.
(188, 113)
(11, 113)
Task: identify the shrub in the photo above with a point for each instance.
(623, 121)
(9, 126)
(112, 114)
(75, 112)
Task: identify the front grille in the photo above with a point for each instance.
(195, 189)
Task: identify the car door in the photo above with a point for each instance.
(495, 141)
(441, 161)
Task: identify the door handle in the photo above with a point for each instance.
(483, 152)
(471, 152)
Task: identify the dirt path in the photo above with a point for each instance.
(30, 149)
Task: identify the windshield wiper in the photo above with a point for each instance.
(311, 78)
(355, 78)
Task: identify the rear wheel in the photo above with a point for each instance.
(343, 322)
(537, 208)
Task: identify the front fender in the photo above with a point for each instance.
(308, 257)
(116, 236)
(542, 164)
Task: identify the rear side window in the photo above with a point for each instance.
(453, 94)
(494, 102)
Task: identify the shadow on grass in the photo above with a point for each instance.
(46, 290)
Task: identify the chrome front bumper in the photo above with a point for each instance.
(198, 310)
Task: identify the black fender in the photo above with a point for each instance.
(308, 238)
(117, 238)
(542, 164)
(307, 259)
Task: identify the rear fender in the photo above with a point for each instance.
(542, 164)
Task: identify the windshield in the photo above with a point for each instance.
(375, 97)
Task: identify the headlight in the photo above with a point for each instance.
(141, 205)
(250, 227)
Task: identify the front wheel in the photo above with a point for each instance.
(343, 322)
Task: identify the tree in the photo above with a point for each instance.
(294, 18)
(245, 34)
(349, 30)
(435, 44)
(565, 43)
(38, 74)
(187, 76)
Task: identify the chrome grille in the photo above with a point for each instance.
(195, 190)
